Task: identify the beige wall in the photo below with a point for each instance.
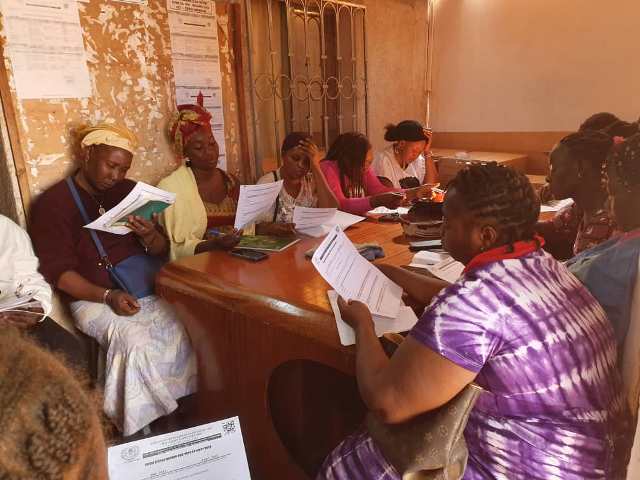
(534, 65)
(396, 70)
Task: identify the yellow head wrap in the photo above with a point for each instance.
(108, 134)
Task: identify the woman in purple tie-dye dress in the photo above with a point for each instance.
(518, 324)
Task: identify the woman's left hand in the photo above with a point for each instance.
(143, 228)
(354, 313)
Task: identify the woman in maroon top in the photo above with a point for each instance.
(150, 363)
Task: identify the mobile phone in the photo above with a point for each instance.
(251, 255)
(425, 245)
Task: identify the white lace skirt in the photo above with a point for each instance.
(149, 361)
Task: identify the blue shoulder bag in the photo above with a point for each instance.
(135, 275)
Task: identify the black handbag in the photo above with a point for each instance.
(136, 274)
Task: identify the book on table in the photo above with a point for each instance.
(266, 243)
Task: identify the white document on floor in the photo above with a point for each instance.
(213, 450)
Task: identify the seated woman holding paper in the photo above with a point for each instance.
(304, 185)
(150, 363)
(407, 162)
(347, 168)
(576, 172)
(518, 324)
(206, 196)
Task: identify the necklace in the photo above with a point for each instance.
(101, 209)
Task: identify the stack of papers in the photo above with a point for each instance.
(317, 222)
(254, 200)
(143, 201)
(387, 211)
(353, 277)
(555, 205)
(405, 320)
(428, 257)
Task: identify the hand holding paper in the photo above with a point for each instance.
(353, 277)
(254, 200)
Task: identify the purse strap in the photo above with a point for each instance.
(276, 210)
(76, 198)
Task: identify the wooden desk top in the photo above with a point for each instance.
(285, 285)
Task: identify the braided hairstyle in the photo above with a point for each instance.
(349, 151)
(45, 416)
(623, 164)
(598, 121)
(589, 147)
(501, 193)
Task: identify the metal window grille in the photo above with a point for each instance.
(308, 70)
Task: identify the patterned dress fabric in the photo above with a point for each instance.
(150, 363)
(544, 352)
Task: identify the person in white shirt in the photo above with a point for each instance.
(20, 282)
(407, 162)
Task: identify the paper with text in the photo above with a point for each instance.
(353, 277)
(143, 200)
(555, 205)
(214, 450)
(404, 321)
(317, 222)
(448, 270)
(428, 257)
(254, 200)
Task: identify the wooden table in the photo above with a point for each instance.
(268, 349)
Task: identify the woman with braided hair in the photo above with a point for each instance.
(518, 324)
(576, 173)
(50, 427)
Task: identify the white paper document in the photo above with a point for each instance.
(448, 270)
(45, 48)
(214, 450)
(143, 200)
(405, 320)
(386, 211)
(353, 277)
(428, 257)
(254, 200)
(13, 302)
(317, 222)
(555, 205)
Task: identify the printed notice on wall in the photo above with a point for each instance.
(44, 46)
(196, 60)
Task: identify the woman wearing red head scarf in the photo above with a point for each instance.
(206, 196)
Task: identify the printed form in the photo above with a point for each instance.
(317, 222)
(254, 200)
(214, 450)
(353, 277)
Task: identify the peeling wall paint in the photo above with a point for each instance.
(129, 57)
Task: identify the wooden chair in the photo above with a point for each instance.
(631, 378)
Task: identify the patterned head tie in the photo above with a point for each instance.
(109, 134)
(624, 160)
(188, 120)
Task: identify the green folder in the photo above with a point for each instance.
(266, 243)
(146, 211)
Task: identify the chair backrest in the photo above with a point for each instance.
(631, 376)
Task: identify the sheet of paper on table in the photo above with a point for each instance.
(425, 258)
(555, 205)
(214, 450)
(353, 277)
(387, 211)
(317, 222)
(254, 200)
(448, 270)
(143, 200)
(405, 320)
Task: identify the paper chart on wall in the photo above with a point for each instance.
(44, 41)
(196, 60)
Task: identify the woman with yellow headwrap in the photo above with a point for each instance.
(206, 196)
(150, 364)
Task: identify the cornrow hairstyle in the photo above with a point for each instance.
(589, 147)
(45, 416)
(624, 163)
(598, 121)
(349, 151)
(500, 193)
